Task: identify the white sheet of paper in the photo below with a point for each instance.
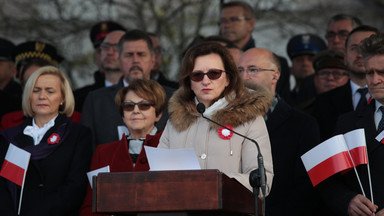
(95, 172)
(172, 159)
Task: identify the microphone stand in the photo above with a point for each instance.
(257, 177)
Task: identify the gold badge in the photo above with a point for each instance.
(104, 27)
(39, 47)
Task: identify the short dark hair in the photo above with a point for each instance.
(135, 35)
(149, 90)
(248, 10)
(355, 21)
(372, 46)
(362, 28)
(205, 48)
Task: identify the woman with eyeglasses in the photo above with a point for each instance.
(140, 104)
(209, 76)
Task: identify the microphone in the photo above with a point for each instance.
(254, 177)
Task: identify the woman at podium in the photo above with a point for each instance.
(140, 104)
(209, 76)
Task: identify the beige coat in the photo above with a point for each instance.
(236, 157)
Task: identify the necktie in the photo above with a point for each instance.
(363, 100)
(380, 127)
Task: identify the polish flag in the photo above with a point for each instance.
(327, 159)
(15, 164)
(357, 146)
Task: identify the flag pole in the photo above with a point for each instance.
(370, 182)
(21, 192)
(357, 175)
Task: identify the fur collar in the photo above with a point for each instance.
(254, 102)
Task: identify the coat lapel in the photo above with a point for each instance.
(278, 116)
(365, 119)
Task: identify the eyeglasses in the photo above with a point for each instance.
(253, 71)
(130, 106)
(323, 74)
(107, 46)
(231, 20)
(213, 74)
(340, 34)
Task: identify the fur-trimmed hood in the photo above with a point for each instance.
(254, 102)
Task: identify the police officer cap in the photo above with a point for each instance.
(305, 44)
(329, 59)
(36, 50)
(7, 49)
(101, 29)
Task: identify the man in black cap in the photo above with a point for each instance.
(31, 50)
(351, 96)
(23, 56)
(8, 69)
(301, 49)
(10, 90)
(97, 35)
(330, 73)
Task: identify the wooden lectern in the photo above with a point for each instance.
(192, 192)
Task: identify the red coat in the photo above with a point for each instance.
(116, 155)
(15, 118)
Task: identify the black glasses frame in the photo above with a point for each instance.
(212, 74)
(130, 106)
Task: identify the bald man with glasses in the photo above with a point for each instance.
(291, 133)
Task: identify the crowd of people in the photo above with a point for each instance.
(333, 86)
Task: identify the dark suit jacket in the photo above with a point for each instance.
(116, 155)
(101, 115)
(55, 184)
(81, 93)
(338, 190)
(8, 103)
(166, 82)
(329, 106)
(292, 133)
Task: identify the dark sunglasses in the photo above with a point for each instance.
(213, 74)
(130, 106)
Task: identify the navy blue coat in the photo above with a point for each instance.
(56, 183)
(292, 133)
(329, 106)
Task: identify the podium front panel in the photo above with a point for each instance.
(168, 191)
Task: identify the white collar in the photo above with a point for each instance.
(38, 133)
(135, 145)
(219, 104)
(355, 87)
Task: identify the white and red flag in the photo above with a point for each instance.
(357, 146)
(327, 159)
(15, 164)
